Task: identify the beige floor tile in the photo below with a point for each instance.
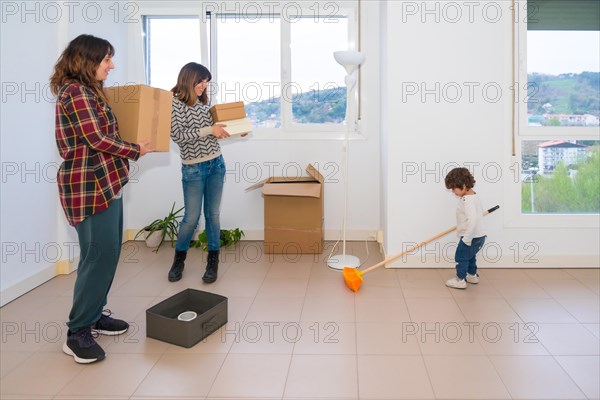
(181, 375)
(142, 286)
(524, 288)
(505, 274)
(434, 310)
(388, 338)
(134, 341)
(238, 307)
(322, 376)
(328, 309)
(409, 274)
(328, 286)
(121, 381)
(510, 339)
(580, 341)
(464, 377)
(393, 377)
(482, 290)
(265, 337)
(547, 274)
(242, 270)
(371, 290)
(584, 310)
(323, 338)
(567, 289)
(41, 374)
(485, 310)
(28, 335)
(594, 328)
(251, 375)
(541, 311)
(283, 287)
(219, 342)
(293, 270)
(23, 308)
(381, 310)
(401, 335)
(10, 360)
(429, 288)
(275, 309)
(61, 285)
(246, 287)
(584, 371)
(535, 377)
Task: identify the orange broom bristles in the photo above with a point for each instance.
(353, 278)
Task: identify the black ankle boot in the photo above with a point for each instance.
(178, 264)
(211, 267)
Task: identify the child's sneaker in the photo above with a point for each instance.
(82, 346)
(473, 278)
(456, 283)
(107, 325)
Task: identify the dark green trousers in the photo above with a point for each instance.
(100, 237)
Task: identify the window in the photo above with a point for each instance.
(280, 64)
(559, 119)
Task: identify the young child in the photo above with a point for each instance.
(469, 227)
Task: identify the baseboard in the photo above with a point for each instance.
(538, 261)
(31, 282)
(258, 234)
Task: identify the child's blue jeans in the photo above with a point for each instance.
(465, 257)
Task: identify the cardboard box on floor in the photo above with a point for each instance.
(143, 113)
(293, 213)
(233, 115)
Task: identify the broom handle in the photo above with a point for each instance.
(431, 239)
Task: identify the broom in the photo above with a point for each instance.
(353, 277)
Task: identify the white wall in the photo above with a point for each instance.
(392, 185)
(427, 136)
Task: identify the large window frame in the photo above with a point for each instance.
(289, 129)
(522, 131)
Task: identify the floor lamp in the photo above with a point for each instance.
(350, 60)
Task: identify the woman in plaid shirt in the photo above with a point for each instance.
(90, 182)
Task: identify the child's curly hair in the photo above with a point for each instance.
(459, 178)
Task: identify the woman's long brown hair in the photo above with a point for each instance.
(79, 63)
(190, 75)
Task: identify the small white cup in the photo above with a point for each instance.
(187, 316)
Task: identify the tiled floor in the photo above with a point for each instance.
(295, 331)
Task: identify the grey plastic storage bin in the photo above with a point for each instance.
(162, 322)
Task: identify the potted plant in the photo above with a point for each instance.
(228, 237)
(156, 232)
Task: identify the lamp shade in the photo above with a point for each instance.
(349, 59)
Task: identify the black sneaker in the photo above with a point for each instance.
(110, 326)
(82, 346)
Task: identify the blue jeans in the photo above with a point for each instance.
(465, 257)
(202, 181)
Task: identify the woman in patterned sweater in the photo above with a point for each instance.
(90, 182)
(202, 169)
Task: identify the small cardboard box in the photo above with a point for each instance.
(143, 113)
(293, 213)
(228, 111)
(162, 322)
(233, 115)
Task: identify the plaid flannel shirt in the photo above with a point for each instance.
(95, 165)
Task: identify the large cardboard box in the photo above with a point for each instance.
(143, 113)
(162, 322)
(233, 115)
(293, 213)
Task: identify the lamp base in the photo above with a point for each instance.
(340, 261)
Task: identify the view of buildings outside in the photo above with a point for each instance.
(563, 71)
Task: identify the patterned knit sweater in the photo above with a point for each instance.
(191, 129)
